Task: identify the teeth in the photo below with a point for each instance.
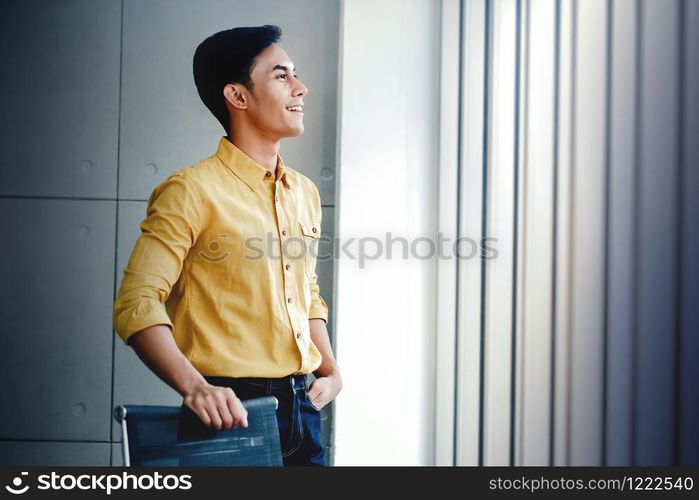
(294, 108)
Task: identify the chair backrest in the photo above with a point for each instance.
(175, 436)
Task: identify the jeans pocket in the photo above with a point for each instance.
(311, 402)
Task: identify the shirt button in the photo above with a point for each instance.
(284, 232)
(298, 335)
(288, 267)
(289, 300)
(314, 230)
(268, 174)
(276, 198)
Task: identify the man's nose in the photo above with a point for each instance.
(301, 89)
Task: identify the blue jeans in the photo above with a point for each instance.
(297, 418)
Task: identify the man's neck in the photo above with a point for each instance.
(261, 151)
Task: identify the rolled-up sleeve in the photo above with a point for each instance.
(171, 226)
(318, 309)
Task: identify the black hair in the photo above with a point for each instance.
(227, 57)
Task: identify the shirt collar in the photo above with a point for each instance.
(251, 172)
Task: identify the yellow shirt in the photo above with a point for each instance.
(209, 264)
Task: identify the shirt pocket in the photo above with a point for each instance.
(311, 238)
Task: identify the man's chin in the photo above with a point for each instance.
(296, 131)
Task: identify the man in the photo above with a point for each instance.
(211, 304)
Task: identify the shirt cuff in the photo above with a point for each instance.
(319, 310)
(144, 314)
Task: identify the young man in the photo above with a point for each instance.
(210, 302)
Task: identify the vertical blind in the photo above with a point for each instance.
(569, 134)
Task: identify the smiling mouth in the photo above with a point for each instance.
(295, 109)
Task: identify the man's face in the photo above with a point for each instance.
(275, 89)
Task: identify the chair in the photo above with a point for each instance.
(175, 436)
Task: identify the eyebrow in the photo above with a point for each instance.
(282, 67)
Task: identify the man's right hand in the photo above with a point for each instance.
(217, 406)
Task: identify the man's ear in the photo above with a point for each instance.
(235, 96)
